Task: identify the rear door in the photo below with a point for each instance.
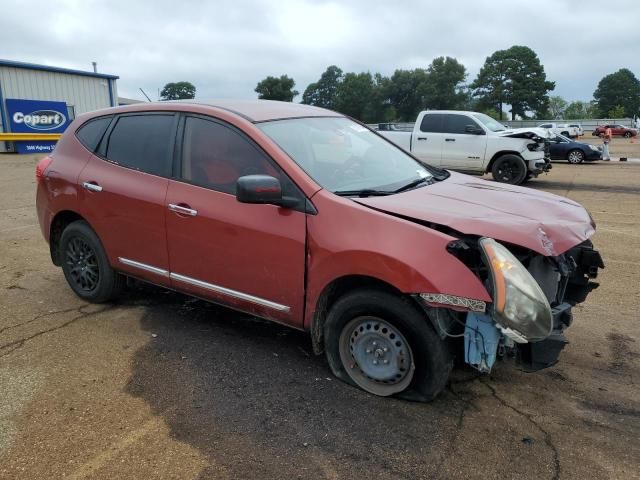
(124, 189)
(428, 138)
(462, 150)
(249, 257)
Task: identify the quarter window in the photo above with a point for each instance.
(214, 156)
(91, 132)
(142, 142)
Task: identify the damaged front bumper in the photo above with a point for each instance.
(566, 280)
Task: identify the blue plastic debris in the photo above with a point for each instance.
(481, 338)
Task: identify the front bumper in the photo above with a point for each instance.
(593, 155)
(578, 267)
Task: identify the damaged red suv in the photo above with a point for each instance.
(305, 217)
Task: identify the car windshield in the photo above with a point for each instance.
(489, 122)
(344, 156)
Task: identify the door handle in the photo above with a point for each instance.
(183, 210)
(449, 139)
(91, 186)
(422, 138)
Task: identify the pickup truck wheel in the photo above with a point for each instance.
(86, 266)
(509, 169)
(383, 344)
(575, 156)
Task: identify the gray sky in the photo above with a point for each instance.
(226, 47)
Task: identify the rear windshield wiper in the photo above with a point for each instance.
(365, 192)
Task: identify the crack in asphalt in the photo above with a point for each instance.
(529, 417)
(38, 317)
(17, 344)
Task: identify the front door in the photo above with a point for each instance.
(462, 150)
(124, 189)
(249, 257)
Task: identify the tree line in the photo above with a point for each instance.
(511, 79)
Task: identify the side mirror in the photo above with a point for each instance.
(262, 189)
(474, 130)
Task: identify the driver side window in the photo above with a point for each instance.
(215, 156)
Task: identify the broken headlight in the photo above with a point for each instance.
(520, 307)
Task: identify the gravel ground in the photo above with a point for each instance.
(159, 385)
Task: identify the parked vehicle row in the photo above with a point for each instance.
(302, 216)
(474, 143)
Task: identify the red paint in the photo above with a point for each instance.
(284, 256)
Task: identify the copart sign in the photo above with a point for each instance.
(36, 116)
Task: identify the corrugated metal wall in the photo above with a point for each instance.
(83, 92)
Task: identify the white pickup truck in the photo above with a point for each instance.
(561, 129)
(475, 143)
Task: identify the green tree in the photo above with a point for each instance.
(578, 110)
(353, 95)
(621, 88)
(443, 89)
(557, 107)
(274, 88)
(323, 92)
(514, 77)
(406, 91)
(178, 91)
(616, 112)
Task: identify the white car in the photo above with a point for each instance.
(560, 129)
(578, 128)
(475, 143)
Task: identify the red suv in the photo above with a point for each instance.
(305, 217)
(616, 131)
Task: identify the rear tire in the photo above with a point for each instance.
(86, 266)
(381, 343)
(575, 156)
(509, 169)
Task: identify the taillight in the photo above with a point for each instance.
(42, 167)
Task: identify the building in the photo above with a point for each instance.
(42, 100)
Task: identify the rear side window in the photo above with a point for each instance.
(457, 123)
(142, 142)
(91, 132)
(432, 123)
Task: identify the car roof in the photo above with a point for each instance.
(252, 110)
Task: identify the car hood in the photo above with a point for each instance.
(540, 221)
(530, 133)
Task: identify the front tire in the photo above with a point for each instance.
(382, 343)
(86, 266)
(575, 156)
(509, 169)
(627, 134)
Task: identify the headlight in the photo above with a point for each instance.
(593, 147)
(520, 306)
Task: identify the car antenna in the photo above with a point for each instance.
(145, 94)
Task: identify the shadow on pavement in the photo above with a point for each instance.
(253, 399)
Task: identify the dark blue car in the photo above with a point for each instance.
(563, 148)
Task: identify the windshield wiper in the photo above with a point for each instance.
(365, 192)
(415, 183)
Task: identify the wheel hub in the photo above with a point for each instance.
(379, 351)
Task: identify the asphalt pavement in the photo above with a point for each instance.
(159, 385)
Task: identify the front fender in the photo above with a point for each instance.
(361, 241)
